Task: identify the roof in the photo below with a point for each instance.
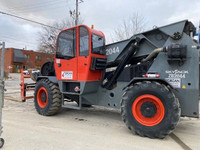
(18, 56)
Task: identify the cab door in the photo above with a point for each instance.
(66, 55)
(83, 53)
(86, 55)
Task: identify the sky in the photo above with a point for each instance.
(105, 15)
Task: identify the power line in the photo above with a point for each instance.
(19, 43)
(38, 7)
(35, 4)
(53, 5)
(7, 37)
(33, 7)
(8, 14)
(17, 12)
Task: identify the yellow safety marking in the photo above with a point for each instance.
(183, 87)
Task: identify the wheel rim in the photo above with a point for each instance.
(42, 97)
(148, 110)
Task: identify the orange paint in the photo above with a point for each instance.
(80, 65)
(160, 110)
(41, 91)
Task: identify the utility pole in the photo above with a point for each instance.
(2, 59)
(199, 33)
(75, 13)
(76, 20)
(2, 89)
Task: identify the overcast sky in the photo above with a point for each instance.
(105, 15)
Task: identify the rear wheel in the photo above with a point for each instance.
(150, 109)
(47, 98)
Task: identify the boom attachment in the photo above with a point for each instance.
(131, 49)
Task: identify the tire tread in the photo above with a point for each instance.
(154, 85)
(54, 92)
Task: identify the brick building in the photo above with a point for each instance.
(17, 58)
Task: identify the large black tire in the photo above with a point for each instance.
(48, 69)
(47, 98)
(1, 142)
(150, 109)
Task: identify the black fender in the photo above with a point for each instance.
(163, 81)
(51, 78)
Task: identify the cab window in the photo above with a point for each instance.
(84, 42)
(98, 44)
(66, 47)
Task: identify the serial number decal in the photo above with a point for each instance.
(177, 73)
(175, 82)
(66, 75)
(111, 51)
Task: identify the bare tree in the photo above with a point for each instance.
(47, 37)
(133, 25)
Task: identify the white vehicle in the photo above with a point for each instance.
(26, 72)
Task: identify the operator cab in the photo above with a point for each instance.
(80, 54)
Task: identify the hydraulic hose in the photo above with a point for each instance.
(155, 52)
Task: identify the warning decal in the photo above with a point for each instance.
(175, 82)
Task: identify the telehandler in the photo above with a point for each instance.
(153, 77)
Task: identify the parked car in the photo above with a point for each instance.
(26, 72)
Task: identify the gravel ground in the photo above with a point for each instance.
(95, 128)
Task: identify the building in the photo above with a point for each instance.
(17, 58)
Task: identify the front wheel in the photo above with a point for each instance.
(47, 98)
(150, 109)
